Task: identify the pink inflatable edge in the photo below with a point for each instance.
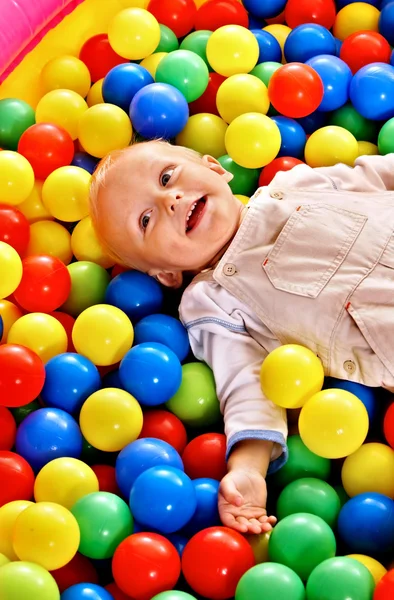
(23, 24)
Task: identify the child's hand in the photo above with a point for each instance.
(242, 500)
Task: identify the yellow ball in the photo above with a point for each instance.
(376, 568)
(63, 108)
(86, 246)
(134, 3)
(253, 140)
(103, 128)
(9, 313)
(232, 49)
(150, 63)
(240, 94)
(134, 33)
(40, 332)
(110, 419)
(33, 207)
(244, 199)
(10, 270)
(259, 545)
(46, 534)
(8, 515)
(329, 146)
(366, 149)
(64, 481)
(95, 95)
(290, 375)
(358, 16)
(16, 178)
(333, 423)
(369, 469)
(66, 73)
(204, 133)
(51, 238)
(65, 193)
(3, 560)
(280, 33)
(103, 333)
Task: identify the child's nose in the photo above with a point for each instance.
(172, 200)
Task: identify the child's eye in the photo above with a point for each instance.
(166, 176)
(145, 220)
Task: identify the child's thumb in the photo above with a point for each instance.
(230, 492)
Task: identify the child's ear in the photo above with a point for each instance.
(215, 165)
(172, 279)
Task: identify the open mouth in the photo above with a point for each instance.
(195, 213)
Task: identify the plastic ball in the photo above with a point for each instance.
(232, 49)
(29, 580)
(86, 591)
(336, 77)
(85, 161)
(269, 47)
(65, 193)
(214, 561)
(206, 513)
(14, 229)
(16, 178)
(293, 137)
(40, 332)
(295, 90)
(376, 569)
(186, 71)
(99, 57)
(173, 595)
(280, 32)
(386, 22)
(299, 12)
(367, 395)
(252, 140)
(66, 73)
(365, 47)
(244, 181)
(9, 512)
(123, 82)
(82, 296)
(348, 118)
(110, 419)
(204, 133)
(60, 108)
(134, 33)
(367, 149)
(385, 139)
(306, 41)
(264, 71)
(116, 592)
(312, 496)
(178, 15)
(301, 463)
(205, 457)
(207, 102)
(15, 117)
(95, 95)
(33, 207)
(388, 425)
(104, 128)
(7, 429)
(136, 294)
(21, 412)
(168, 40)
(86, 245)
(165, 426)
(385, 587)
(331, 145)
(314, 121)
(163, 329)
(195, 402)
(22, 375)
(342, 577)
(141, 455)
(17, 479)
(283, 163)
(218, 13)
(369, 469)
(372, 91)
(272, 581)
(10, 270)
(241, 94)
(45, 284)
(150, 63)
(51, 239)
(196, 42)
(145, 564)
(358, 16)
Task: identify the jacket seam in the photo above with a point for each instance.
(220, 322)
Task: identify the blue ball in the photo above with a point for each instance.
(308, 40)
(341, 3)
(122, 83)
(313, 122)
(372, 91)
(206, 513)
(165, 330)
(392, 59)
(46, 434)
(338, 46)
(69, 380)
(255, 22)
(264, 9)
(366, 523)
(112, 380)
(293, 137)
(137, 294)
(384, 3)
(178, 541)
(336, 77)
(270, 49)
(141, 455)
(1, 327)
(386, 22)
(163, 498)
(86, 591)
(367, 395)
(151, 373)
(159, 110)
(85, 161)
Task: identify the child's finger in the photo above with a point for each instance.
(230, 492)
(229, 520)
(244, 523)
(254, 526)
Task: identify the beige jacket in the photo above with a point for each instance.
(311, 264)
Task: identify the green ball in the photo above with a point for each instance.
(104, 521)
(168, 40)
(186, 71)
(343, 497)
(89, 282)
(386, 138)
(301, 463)
(27, 581)
(15, 117)
(312, 496)
(21, 412)
(197, 42)
(265, 70)
(270, 581)
(196, 403)
(301, 542)
(340, 578)
(245, 181)
(174, 595)
(348, 118)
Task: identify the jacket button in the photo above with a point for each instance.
(349, 366)
(229, 269)
(277, 195)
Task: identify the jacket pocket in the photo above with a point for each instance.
(311, 247)
(387, 258)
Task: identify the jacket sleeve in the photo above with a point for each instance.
(222, 341)
(369, 174)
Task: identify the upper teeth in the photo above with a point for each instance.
(190, 211)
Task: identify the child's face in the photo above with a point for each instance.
(168, 210)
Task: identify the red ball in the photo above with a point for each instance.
(7, 429)
(47, 147)
(283, 163)
(388, 425)
(99, 56)
(16, 478)
(45, 284)
(118, 269)
(78, 570)
(107, 479)
(145, 564)
(207, 102)
(178, 15)
(68, 323)
(217, 13)
(14, 228)
(165, 426)
(205, 456)
(385, 587)
(320, 12)
(22, 375)
(117, 594)
(295, 90)
(365, 47)
(214, 560)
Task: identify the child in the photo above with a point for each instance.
(310, 261)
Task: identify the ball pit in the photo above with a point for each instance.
(111, 439)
